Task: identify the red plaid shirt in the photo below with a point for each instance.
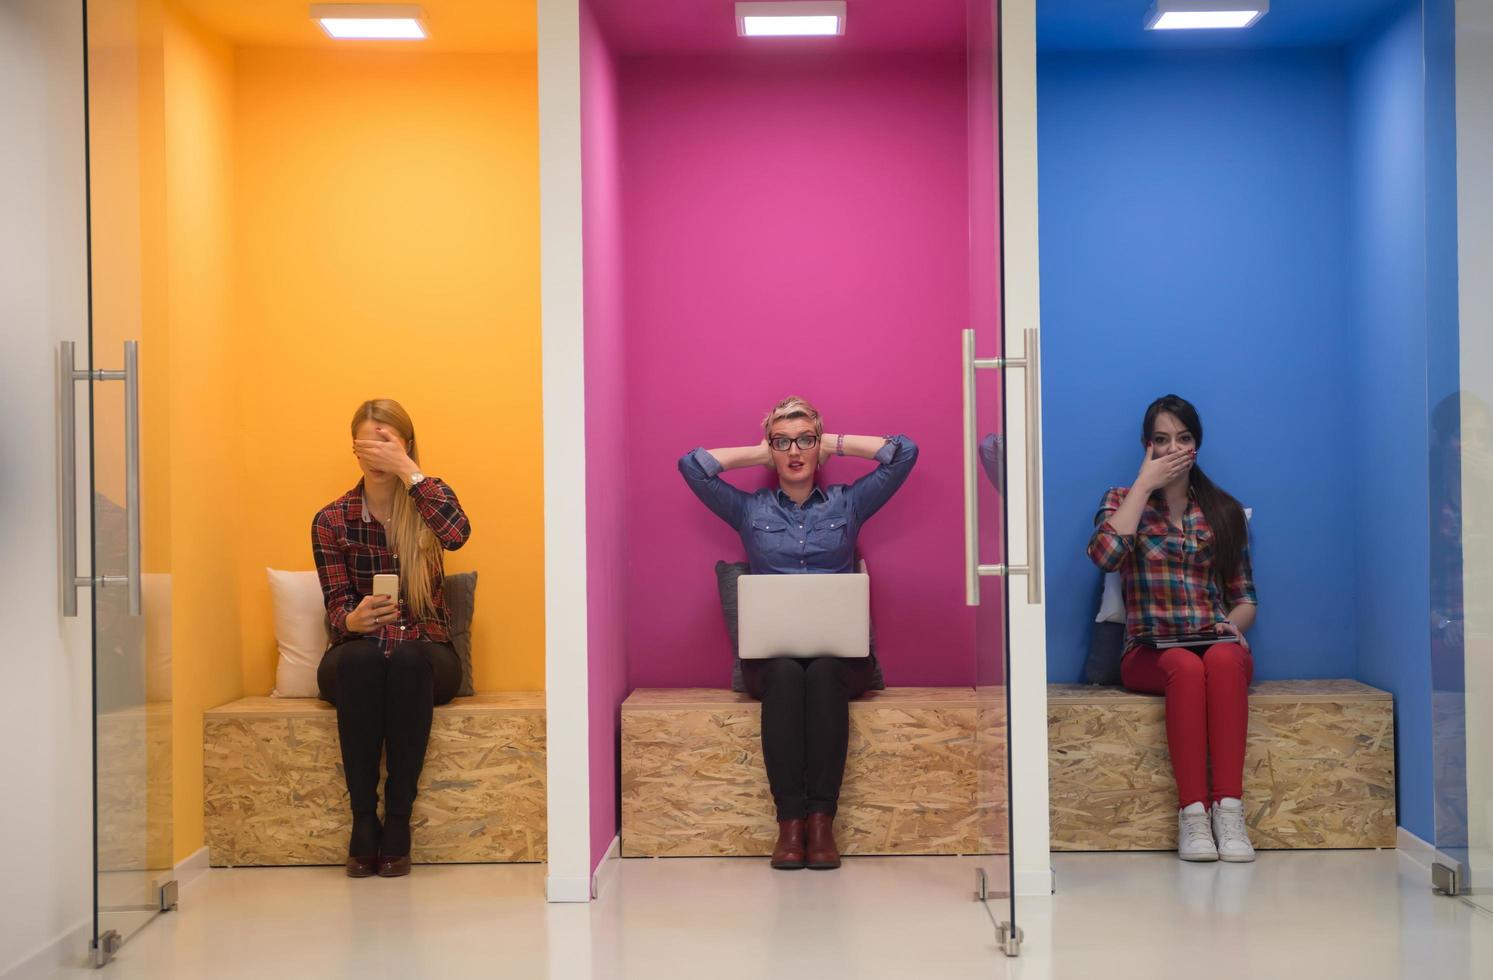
(351, 547)
(1167, 573)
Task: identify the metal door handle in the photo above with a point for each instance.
(973, 569)
(69, 375)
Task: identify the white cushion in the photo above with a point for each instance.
(1112, 603)
(300, 631)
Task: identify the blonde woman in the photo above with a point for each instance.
(800, 528)
(391, 662)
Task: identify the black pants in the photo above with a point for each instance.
(806, 727)
(385, 704)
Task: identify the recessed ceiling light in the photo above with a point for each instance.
(1189, 15)
(797, 18)
(370, 21)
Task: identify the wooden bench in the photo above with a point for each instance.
(1318, 773)
(693, 783)
(274, 792)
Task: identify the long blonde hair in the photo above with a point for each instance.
(412, 540)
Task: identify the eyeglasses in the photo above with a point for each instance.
(805, 442)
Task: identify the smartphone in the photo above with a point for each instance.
(388, 585)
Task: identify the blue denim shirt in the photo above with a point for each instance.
(782, 537)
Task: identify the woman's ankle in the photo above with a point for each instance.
(366, 833)
(396, 835)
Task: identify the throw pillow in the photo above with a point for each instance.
(461, 601)
(300, 631)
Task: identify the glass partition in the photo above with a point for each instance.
(1459, 142)
(125, 372)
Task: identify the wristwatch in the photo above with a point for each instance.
(416, 477)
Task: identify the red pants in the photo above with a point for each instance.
(1207, 712)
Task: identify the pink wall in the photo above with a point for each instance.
(797, 223)
(985, 317)
(606, 419)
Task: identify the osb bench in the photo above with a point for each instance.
(693, 784)
(1318, 772)
(274, 792)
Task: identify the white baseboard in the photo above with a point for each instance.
(191, 867)
(1034, 883)
(68, 950)
(1412, 847)
(606, 870)
(558, 889)
(1422, 853)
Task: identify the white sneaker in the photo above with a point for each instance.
(1229, 831)
(1194, 836)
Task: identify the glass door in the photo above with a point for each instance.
(123, 371)
(989, 568)
(1458, 38)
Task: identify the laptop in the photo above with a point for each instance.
(804, 616)
(1194, 640)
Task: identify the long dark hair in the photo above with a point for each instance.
(1223, 512)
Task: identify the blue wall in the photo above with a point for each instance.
(1250, 230)
(1194, 239)
(1388, 187)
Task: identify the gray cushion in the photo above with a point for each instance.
(1106, 647)
(461, 600)
(726, 574)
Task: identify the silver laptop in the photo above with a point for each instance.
(804, 616)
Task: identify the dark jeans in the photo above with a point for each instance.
(385, 704)
(805, 727)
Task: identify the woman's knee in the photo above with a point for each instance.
(360, 657)
(1182, 666)
(409, 658)
(781, 675)
(1230, 657)
(826, 673)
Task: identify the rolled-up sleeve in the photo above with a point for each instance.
(441, 512)
(1240, 589)
(1107, 547)
(702, 472)
(895, 460)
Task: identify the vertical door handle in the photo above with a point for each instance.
(68, 376)
(973, 569)
(67, 476)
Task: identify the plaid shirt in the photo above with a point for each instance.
(1167, 573)
(351, 547)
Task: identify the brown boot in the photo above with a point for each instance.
(823, 855)
(789, 854)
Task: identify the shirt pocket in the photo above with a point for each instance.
(768, 534)
(1152, 547)
(828, 536)
(1201, 551)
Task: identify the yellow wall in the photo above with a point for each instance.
(387, 245)
(289, 233)
(204, 474)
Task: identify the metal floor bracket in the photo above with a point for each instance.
(104, 947)
(1009, 937)
(1444, 879)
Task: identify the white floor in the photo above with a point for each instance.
(1312, 915)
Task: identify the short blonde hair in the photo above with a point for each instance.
(792, 407)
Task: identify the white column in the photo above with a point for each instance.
(565, 659)
(1028, 677)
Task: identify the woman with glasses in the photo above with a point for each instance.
(799, 527)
